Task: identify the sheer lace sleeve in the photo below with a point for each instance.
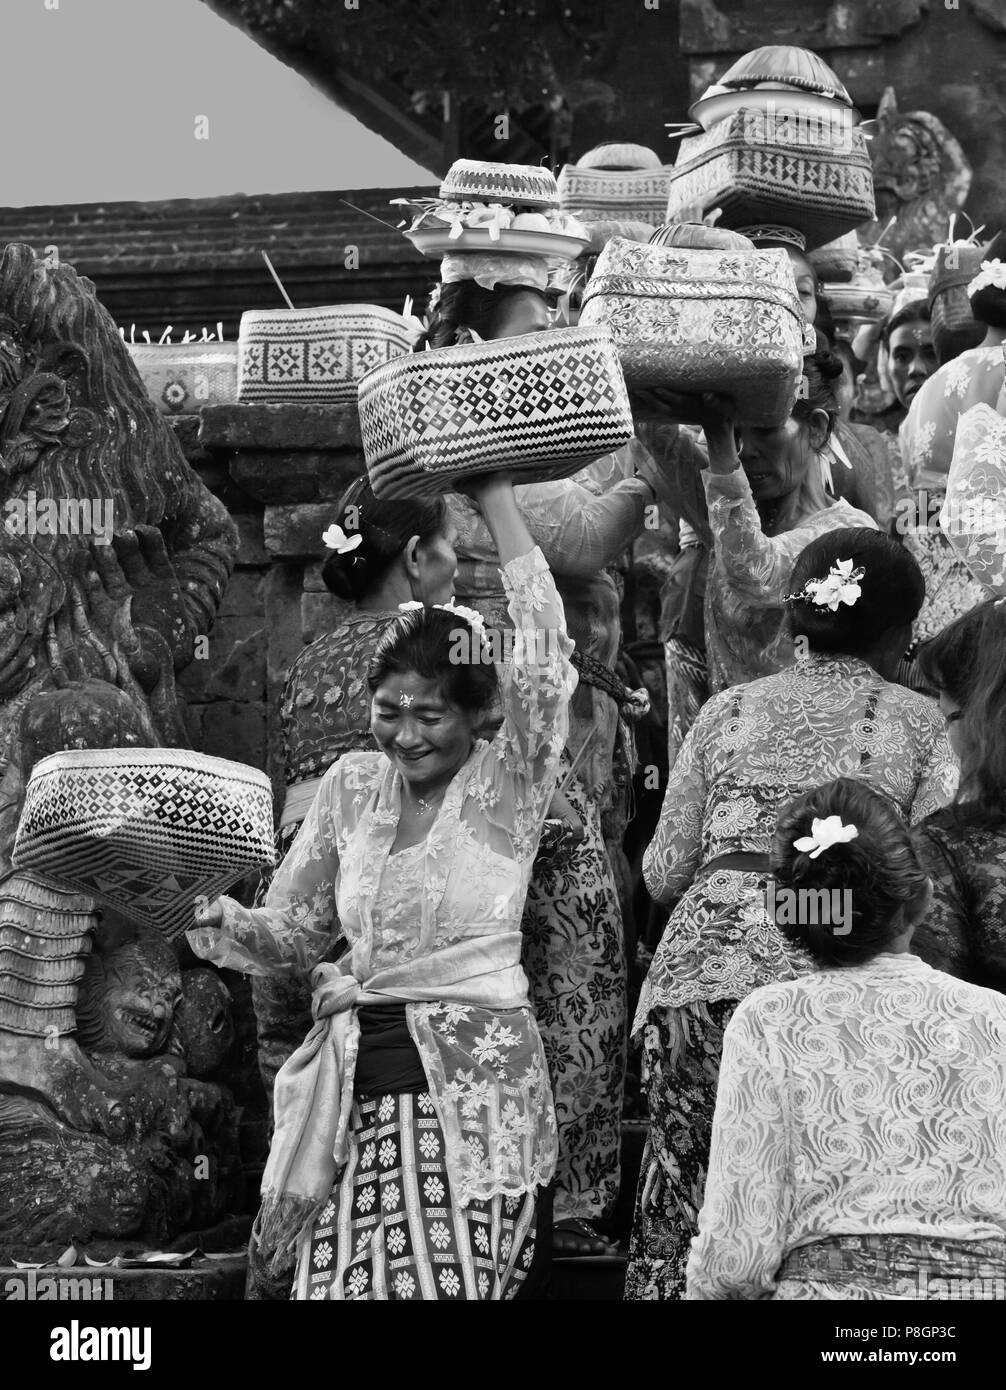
(536, 686)
(745, 1215)
(578, 532)
(938, 779)
(295, 927)
(758, 566)
(672, 856)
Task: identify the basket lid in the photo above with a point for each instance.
(512, 184)
(796, 67)
(619, 156)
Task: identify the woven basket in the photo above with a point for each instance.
(543, 405)
(315, 356)
(515, 185)
(955, 328)
(602, 195)
(182, 377)
(145, 830)
(760, 166)
(697, 320)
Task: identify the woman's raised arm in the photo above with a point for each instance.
(296, 926)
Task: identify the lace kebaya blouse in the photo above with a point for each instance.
(865, 1100)
(749, 577)
(751, 750)
(441, 920)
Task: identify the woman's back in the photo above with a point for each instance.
(755, 746)
(869, 1099)
(752, 749)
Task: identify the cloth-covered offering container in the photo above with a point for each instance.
(180, 378)
(316, 356)
(542, 406)
(973, 517)
(777, 166)
(145, 830)
(615, 195)
(695, 320)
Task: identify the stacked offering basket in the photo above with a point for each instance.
(698, 320)
(541, 406)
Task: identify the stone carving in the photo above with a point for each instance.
(921, 176)
(113, 561)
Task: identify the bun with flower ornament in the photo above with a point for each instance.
(840, 585)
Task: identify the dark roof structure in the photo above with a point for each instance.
(196, 261)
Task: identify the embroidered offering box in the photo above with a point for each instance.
(777, 166)
(543, 405)
(145, 830)
(703, 320)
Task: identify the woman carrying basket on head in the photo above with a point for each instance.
(415, 1126)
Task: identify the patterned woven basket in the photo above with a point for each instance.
(181, 377)
(763, 166)
(542, 405)
(145, 830)
(605, 195)
(697, 320)
(955, 328)
(514, 185)
(315, 356)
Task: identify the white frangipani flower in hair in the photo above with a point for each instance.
(824, 834)
(840, 586)
(991, 273)
(336, 539)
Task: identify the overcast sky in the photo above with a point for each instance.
(100, 99)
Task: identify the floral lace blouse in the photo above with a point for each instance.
(749, 577)
(928, 431)
(866, 1100)
(441, 920)
(751, 750)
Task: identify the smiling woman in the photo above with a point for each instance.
(425, 1054)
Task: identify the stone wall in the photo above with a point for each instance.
(280, 470)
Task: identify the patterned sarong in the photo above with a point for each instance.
(391, 1229)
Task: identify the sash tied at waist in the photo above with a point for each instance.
(313, 1092)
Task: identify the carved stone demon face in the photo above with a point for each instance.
(128, 997)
